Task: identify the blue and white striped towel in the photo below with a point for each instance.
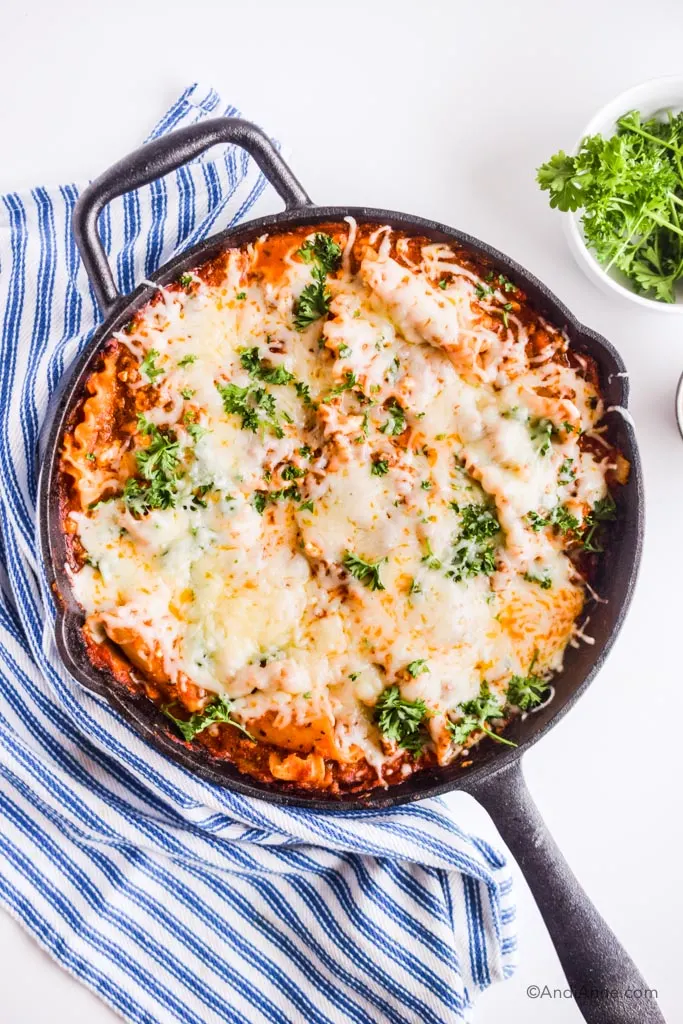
(171, 898)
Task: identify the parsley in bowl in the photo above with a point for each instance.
(623, 189)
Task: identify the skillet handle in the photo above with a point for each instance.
(604, 980)
(160, 157)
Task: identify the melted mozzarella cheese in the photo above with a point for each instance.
(247, 592)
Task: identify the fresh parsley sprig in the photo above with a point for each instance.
(219, 711)
(400, 720)
(158, 464)
(474, 551)
(324, 255)
(474, 716)
(604, 511)
(261, 370)
(396, 419)
(253, 404)
(366, 573)
(527, 692)
(149, 368)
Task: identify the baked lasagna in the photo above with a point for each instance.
(332, 501)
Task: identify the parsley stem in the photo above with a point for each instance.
(496, 736)
(653, 138)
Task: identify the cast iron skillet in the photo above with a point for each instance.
(590, 954)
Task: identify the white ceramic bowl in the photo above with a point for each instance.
(659, 94)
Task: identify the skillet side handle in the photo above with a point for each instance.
(160, 157)
(607, 986)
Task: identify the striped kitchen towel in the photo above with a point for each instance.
(173, 899)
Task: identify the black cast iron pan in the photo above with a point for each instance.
(591, 956)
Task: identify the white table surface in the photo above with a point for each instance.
(443, 109)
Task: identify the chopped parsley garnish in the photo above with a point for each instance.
(348, 384)
(379, 467)
(604, 511)
(543, 579)
(343, 351)
(187, 360)
(366, 573)
(542, 432)
(483, 291)
(91, 457)
(566, 472)
(185, 280)
(253, 404)
(323, 253)
(323, 250)
(560, 517)
(474, 552)
(307, 506)
(430, 559)
(305, 452)
(148, 367)
(161, 456)
(443, 283)
(526, 692)
(401, 721)
(219, 711)
(260, 500)
(187, 393)
(417, 667)
(241, 295)
(199, 495)
(474, 717)
(158, 464)
(193, 428)
(426, 485)
(258, 368)
(292, 472)
(303, 391)
(396, 423)
(140, 499)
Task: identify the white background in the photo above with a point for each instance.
(443, 109)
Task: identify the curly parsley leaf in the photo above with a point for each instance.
(161, 456)
(543, 579)
(560, 517)
(366, 573)
(324, 254)
(219, 711)
(400, 720)
(417, 667)
(149, 368)
(158, 464)
(348, 384)
(474, 551)
(396, 422)
(473, 716)
(253, 404)
(542, 432)
(604, 511)
(526, 692)
(321, 249)
(261, 370)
